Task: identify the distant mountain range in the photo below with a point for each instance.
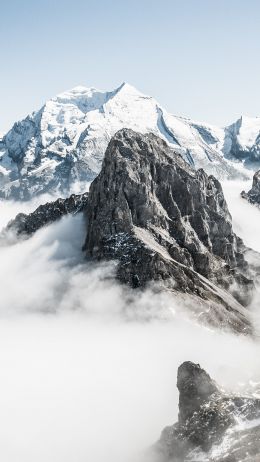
(60, 147)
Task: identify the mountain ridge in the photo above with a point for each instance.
(213, 425)
(167, 224)
(63, 144)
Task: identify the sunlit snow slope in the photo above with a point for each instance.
(61, 146)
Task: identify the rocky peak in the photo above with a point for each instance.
(253, 196)
(77, 125)
(207, 415)
(164, 222)
(256, 181)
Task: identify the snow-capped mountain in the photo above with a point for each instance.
(244, 140)
(61, 147)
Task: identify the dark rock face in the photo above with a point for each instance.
(206, 416)
(253, 196)
(45, 214)
(165, 222)
(195, 387)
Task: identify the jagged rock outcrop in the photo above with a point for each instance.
(45, 214)
(164, 223)
(253, 195)
(207, 415)
(167, 223)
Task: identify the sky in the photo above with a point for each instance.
(198, 58)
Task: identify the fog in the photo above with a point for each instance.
(88, 368)
(246, 217)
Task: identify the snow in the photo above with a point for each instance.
(3, 171)
(222, 449)
(81, 121)
(248, 131)
(46, 164)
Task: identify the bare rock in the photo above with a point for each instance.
(45, 214)
(253, 196)
(207, 415)
(167, 223)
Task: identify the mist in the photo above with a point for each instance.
(88, 367)
(245, 216)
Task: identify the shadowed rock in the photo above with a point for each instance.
(195, 387)
(253, 196)
(27, 225)
(165, 222)
(206, 416)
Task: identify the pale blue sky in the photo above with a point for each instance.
(199, 58)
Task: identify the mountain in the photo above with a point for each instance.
(25, 225)
(244, 140)
(168, 224)
(165, 224)
(213, 426)
(253, 195)
(60, 148)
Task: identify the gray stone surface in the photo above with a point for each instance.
(253, 195)
(207, 415)
(167, 223)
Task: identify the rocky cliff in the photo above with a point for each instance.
(253, 196)
(45, 214)
(61, 146)
(167, 223)
(212, 426)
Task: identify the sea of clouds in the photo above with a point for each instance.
(87, 367)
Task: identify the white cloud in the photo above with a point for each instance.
(94, 379)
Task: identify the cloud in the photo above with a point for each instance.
(88, 367)
(246, 217)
